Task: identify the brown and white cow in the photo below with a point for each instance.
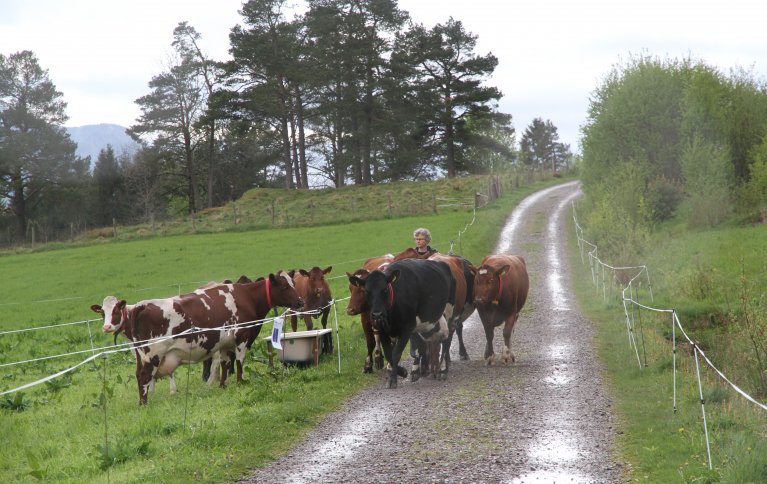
(463, 275)
(314, 290)
(500, 292)
(358, 305)
(214, 320)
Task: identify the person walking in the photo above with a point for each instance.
(422, 238)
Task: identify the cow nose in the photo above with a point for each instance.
(106, 328)
(377, 315)
(349, 312)
(300, 303)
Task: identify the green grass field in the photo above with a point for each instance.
(697, 274)
(86, 426)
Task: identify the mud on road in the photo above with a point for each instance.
(545, 418)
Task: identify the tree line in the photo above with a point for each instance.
(668, 137)
(346, 92)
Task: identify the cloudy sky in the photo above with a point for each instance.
(552, 53)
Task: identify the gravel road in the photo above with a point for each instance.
(545, 418)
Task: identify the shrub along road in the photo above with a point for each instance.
(544, 418)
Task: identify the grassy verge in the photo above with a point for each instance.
(692, 273)
(87, 426)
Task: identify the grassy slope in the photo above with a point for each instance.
(695, 273)
(202, 432)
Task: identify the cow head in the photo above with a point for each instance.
(113, 312)
(379, 295)
(317, 290)
(357, 301)
(282, 291)
(488, 284)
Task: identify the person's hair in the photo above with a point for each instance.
(423, 233)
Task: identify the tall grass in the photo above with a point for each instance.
(87, 425)
(699, 275)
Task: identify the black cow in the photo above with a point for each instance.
(409, 296)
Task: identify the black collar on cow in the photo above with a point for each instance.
(500, 289)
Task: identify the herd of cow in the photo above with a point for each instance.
(400, 299)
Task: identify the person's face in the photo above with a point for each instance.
(420, 241)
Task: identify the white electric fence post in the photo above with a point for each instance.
(702, 406)
(673, 340)
(338, 337)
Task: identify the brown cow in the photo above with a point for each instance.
(314, 290)
(358, 305)
(411, 253)
(500, 292)
(154, 326)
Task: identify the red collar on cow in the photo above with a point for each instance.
(500, 289)
(391, 294)
(268, 294)
(124, 315)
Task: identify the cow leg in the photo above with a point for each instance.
(396, 354)
(378, 354)
(308, 322)
(206, 369)
(172, 380)
(462, 353)
(508, 328)
(145, 372)
(327, 343)
(214, 364)
(240, 351)
(444, 361)
(372, 342)
(294, 323)
(417, 352)
(489, 353)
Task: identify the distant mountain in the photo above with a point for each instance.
(93, 138)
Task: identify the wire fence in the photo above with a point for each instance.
(103, 351)
(631, 279)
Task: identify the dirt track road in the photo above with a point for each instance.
(545, 418)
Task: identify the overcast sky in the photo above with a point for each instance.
(552, 53)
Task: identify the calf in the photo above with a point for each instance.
(358, 305)
(500, 292)
(409, 296)
(314, 290)
(193, 327)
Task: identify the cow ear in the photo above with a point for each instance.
(327, 270)
(393, 276)
(355, 281)
(121, 304)
(272, 278)
(292, 273)
(96, 309)
(503, 270)
(303, 272)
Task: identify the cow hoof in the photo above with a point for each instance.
(379, 363)
(490, 361)
(464, 356)
(401, 371)
(367, 369)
